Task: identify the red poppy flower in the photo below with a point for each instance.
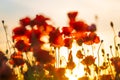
(88, 60)
(70, 64)
(19, 31)
(43, 56)
(80, 26)
(58, 42)
(17, 59)
(34, 35)
(40, 20)
(24, 38)
(60, 72)
(91, 38)
(79, 35)
(72, 15)
(68, 42)
(116, 63)
(49, 28)
(67, 31)
(22, 46)
(96, 39)
(79, 54)
(25, 21)
(56, 38)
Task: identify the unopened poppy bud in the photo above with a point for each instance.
(3, 21)
(119, 34)
(111, 23)
(110, 46)
(108, 54)
(119, 46)
(96, 17)
(116, 48)
(101, 41)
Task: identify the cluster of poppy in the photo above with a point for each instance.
(28, 37)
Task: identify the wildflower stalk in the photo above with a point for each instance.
(110, 66)
(7, 40)
(111, 51)
(99, 56)
(112, 25)
(28, 59)
(111, 70)
(57, 55)
(83, 51)
(92, 49)
(20, 76)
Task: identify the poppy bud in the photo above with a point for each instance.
(3, 21)
(111, 23)
(119, 34)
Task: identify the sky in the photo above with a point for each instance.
(106, 10)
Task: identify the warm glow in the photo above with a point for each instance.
(78, 71)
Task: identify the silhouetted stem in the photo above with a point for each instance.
(92, 49)
(111, 51)
(57, 57)
(99, 56)
(115, 46)
(6, 36)
(114, 38)
(111, 70)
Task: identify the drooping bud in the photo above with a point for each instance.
(119, 34)
(3, 21)
(101, 41)
(111, 23)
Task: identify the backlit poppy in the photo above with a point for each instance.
(88, 60)
(68, 42)
(116, 63)
(67, 31)
(79, 35)
(17, 59)
(19, 31)
(49, 28)
(25, 21)
(91, 38)
(79, 54)
(56, 38)
(22, 46)
(70, 64)
(80, 26)
(72, 15)
(40, 20)
(43, 56)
